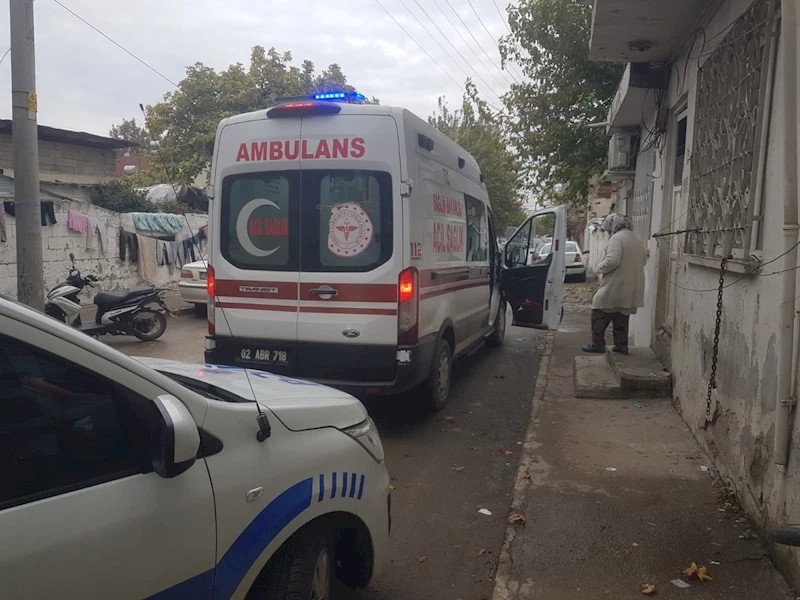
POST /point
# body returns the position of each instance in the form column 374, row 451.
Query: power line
column 428, row 54
column 447, row 39
column 478, row 58
column 472, row 6
column 502, row 18
column 444, row 49
column 118, row 45
column 4, row 55
column 509, row 66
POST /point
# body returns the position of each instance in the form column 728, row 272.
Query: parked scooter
column 118, row 313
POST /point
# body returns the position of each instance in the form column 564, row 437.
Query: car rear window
column 572, row 247
column 545, row 249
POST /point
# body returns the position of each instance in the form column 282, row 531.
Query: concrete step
column 641, row 373
column 594, row 379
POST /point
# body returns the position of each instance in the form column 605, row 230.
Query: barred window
column 729, row 128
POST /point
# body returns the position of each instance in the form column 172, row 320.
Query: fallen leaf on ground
column 482, row 552
column 391, row 487
column 527, row 476
column 691, row 570
column 702, row 574
column 516, row 519
column 507, row 453
column 458, row 469
column 648, row 589
column 422, row 559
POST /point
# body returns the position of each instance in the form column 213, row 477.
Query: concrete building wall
column 739, row 433
column 65, row 162
column 58, row 242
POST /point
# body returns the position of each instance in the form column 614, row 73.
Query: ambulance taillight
column 408, row 307
column 211, row 288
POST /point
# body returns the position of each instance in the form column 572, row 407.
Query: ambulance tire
column 495, row 340
column 303, row 569
column 441, row 378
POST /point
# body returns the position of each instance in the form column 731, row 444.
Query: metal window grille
column 729, row 136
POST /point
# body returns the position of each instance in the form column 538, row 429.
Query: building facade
column 708, row 108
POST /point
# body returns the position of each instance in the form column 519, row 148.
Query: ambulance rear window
column 260, row 212
column 350, row 213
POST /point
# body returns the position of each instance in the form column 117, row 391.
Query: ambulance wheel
column 440, row 381
column 495, row 340
column 303, row 569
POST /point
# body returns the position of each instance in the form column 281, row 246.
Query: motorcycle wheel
column 148, row 325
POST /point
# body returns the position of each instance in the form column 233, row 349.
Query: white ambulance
column 354, row 245
column 122, row 480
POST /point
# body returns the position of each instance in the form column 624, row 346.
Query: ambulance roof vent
column 425, row 142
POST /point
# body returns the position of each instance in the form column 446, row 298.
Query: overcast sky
column 86, row 83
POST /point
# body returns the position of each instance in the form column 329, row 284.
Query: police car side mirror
column 175, row 440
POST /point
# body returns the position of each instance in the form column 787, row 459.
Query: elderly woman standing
column 621, row 289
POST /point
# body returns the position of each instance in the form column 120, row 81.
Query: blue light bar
column 354, row 97
column 330, row 96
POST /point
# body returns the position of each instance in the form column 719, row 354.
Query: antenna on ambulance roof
column 264, row 428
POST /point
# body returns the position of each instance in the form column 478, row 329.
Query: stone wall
column 58, row 242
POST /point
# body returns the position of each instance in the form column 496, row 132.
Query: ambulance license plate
column 263, row 356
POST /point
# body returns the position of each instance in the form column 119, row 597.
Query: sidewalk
column 616, row 498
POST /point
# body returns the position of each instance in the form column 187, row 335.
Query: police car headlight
column 366, row 434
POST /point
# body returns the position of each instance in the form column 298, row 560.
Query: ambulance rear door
column 255, row 250
column 351, row 247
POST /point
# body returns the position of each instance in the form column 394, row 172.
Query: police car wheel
column 441, row 375
column 301, row 570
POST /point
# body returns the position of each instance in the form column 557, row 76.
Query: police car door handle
column 255, row 494
column 324, row 291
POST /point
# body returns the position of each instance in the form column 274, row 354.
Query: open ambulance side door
column 533, row 278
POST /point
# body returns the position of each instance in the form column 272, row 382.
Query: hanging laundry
column 177, row 252
column 162, row 222
column 188, row 250
column 148, row 262
column 77, row 222
column 128, row 244
column 46, row 209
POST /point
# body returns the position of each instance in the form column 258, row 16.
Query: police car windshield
column 315, row 220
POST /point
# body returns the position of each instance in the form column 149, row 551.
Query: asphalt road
column 444, row 467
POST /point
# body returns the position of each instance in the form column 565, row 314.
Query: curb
column 504, row 588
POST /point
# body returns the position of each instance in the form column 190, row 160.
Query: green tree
column 185, row 123
column 130, row 131
column 564, row 92
column 475, row 129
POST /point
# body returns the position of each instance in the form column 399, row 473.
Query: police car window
column 350, row 214
column 477, row 230
column 258, row 220
column 63, row 428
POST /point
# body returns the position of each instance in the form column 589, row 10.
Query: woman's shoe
column 592, row 349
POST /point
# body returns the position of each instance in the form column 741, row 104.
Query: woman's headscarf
column 616, row 222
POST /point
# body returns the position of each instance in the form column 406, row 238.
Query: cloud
column 85, row 82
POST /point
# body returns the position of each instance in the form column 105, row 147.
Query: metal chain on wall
column 712, row 381
column 730, row 84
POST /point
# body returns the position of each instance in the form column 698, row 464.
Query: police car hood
column 298, row 404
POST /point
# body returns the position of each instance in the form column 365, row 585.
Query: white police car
column 122, row 478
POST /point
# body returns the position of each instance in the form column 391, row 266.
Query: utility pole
column 25, row 138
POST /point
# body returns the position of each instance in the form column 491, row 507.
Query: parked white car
column 126, row 478
column 573, row 256
column 192, row 283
